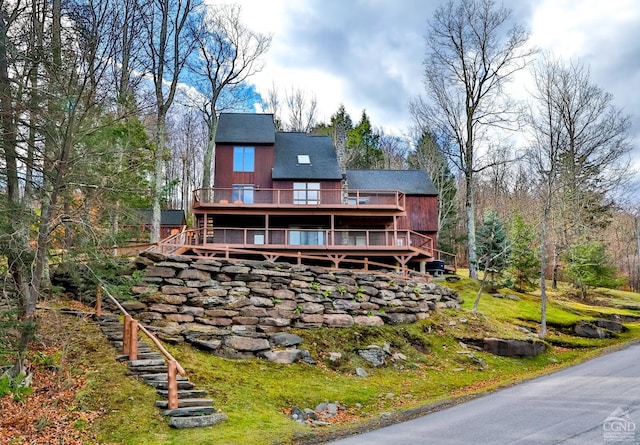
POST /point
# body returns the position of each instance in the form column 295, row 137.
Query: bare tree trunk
column 543, row 271
column 471, row 227
column 158, row 164
column 209, row 155
column 482, row 282
column 18, row 250
column 636, row 230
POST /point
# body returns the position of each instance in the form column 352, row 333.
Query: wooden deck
column 368, row 248
column 227, row 199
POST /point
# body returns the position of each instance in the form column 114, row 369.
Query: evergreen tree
column 362, row 149
column 492, row 251
column 588, row 265
column 524, row 262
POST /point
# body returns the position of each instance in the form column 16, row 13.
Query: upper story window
column 243, row 159
column 306, row 193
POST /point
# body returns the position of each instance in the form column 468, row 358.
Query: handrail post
column 172, row 384
column 99, row 301
column 133, row 340
column 126, row 338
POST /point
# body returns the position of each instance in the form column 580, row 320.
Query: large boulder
column 590, row 330
column 513, row 348
column 610, row 325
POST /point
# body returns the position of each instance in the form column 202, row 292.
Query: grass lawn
column 435, row 362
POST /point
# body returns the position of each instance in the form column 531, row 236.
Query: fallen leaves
column 50, row 414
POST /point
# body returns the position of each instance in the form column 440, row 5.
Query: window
column 243, row 159
column 306, row 193
column 304, row 159
column 258, row 237
column 243, row 193
column 306, row 237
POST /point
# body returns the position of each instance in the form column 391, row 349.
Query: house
column 171, row 221
column 283, row 196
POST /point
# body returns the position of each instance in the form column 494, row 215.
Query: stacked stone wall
column 235, row 308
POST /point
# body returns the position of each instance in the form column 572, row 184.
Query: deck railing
column 299, row 238
column 255, row 196
column 130, row 345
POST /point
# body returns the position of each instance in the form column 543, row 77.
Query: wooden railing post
column 126, row 337
column 99, row 301
column 133, row 340
column 172, row 384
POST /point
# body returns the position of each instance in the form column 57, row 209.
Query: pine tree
column 589, row 265
column 493, row 251
column 524, row 262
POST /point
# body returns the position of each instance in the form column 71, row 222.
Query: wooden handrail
column 130, row 345
column 162, row 349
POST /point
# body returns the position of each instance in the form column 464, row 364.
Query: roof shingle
column 323, row 165
column 245, row 128
column 409, row 182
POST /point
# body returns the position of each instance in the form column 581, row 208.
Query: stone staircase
column 194, row 408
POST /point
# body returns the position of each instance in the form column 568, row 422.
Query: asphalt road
column 597, row 402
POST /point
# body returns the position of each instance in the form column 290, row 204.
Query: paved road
column 574, row 406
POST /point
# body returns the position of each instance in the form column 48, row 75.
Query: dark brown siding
column 422, row 214
column 225, row 177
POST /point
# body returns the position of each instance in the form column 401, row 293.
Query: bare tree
column 228, row 54
column 470, row 57
column 579, row 148
column 166, row 24
column 547, row 142
column 272, row 105
column 188, row 133
column 394, row 149
column 302, row 110
column 299, row 112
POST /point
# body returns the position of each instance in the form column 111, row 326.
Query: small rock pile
column 323, row 414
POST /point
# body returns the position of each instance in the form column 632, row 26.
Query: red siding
column 225, row 177
column 422, row 214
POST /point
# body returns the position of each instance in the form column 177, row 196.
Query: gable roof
column 409, row 182
column 245, row 128
column 323, row 165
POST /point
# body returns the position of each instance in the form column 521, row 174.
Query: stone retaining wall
column 234, row 308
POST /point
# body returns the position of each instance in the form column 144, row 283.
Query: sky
column 368, row 54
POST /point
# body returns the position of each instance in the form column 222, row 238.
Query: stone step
column 190, row 411
column 143, row 363
column 186, row 403
column 142, row 356
column 160, row 376
column 147, row 370
column 111, row 327
column 184, row 394
column 107, row 318
column 115, row 336
column 197, row 421
column 184, row 384
column 110, row 323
